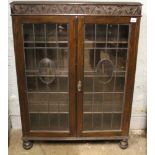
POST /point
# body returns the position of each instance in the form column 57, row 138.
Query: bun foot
column 27, row 144
column 123, row 144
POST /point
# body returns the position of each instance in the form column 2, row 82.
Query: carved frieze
column 79, row 9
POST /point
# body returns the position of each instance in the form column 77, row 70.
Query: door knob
column 79, row 86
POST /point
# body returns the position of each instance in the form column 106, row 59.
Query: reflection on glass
column 62, row 32
column 47, row 70
column 112, row 32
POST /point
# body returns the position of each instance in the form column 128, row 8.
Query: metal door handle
column 79, row 86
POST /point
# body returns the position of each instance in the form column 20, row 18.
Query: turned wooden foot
column 27, row 144
column 123, row 144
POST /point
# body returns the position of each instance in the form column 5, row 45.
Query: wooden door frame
column 130, row 76
column 17, row 22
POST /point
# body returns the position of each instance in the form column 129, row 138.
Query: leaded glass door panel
column 104, row 62
column 48, row 51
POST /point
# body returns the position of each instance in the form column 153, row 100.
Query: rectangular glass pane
column 112, row 33
column 46, row 51
column 51, row 32
column 105, row 59
column 121, row 60
column 89, row 61
column 63, row 60
column 116, row 121
column 29, row 57
column 123, row 32
column 87, row 121
column 90, row 33
column 28, row 32
column 107, row 121
column 62, row 32
column 39, row 30
column 101, row 32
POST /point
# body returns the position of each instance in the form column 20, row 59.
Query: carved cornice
column 78, row 9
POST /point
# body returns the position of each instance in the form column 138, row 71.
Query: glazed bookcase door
column 103, row 55
column 47, row 54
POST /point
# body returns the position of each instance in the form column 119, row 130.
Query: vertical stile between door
column 72, row 76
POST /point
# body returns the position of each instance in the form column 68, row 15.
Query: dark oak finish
column 78, row 15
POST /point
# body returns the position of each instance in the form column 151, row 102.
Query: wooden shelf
column 45, row 42
column 120, row 92
column 48, row 112
column 57, row 75
column 104, row 48
column 35, row 72
column 65, row 48
column 108, row 42
column 45, row 92
column 108, row 112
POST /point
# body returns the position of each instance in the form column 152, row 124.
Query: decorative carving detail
column 69, row 9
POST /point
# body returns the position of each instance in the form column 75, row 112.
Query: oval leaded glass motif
column 104, row 70
column 47, row 70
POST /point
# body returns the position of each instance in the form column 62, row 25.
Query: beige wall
column 138, row 120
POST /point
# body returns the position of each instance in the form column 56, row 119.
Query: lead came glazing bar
column 103, row 125
column 45, row 41
column 58, row 80
column 94, row 65
column 36, row 65
column 115, row 75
